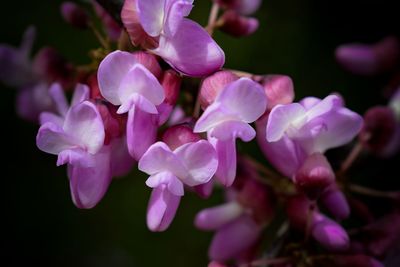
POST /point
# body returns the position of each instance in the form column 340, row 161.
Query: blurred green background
column 41, row 225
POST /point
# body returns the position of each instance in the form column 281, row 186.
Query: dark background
column 42, row 227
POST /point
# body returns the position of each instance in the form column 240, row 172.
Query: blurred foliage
column 43, row 228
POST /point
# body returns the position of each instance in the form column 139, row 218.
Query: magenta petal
column 50, row 117
column 88, row 185
column 76, row 157
column 174, row 185
column 234, row 238
column 330, row 234
column 191, row 50
column 57, row 94
column 141, row 131
column 121, row 161
column 204, row 190
column 52, row 139
column 233, row 129
column 81, row 93
column 112, row 70
column 226, row 151
column 152, row 15
column 161, row 209
column 85, row 124
column 201, row 161
column 212, row 116
column 245, row 98
column 215, row 217
column 177, row 11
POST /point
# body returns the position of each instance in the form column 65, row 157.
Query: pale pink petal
column 216, row 217
column 214, row 115
column 141, row 131
column 57, row 95
column 177, row 11
column 159, row 158
column 76, row 157
column 201, row 161
column 141, row 81
column 226, row 151
column 234, row 238
column 245, row 98
column 281, row 118
column 151, row 15
column 85, row 124
column 325, row 105
column 52, row 139
column 88, row 185
column 81, row 93
column 112, row 70
column 174, row 185
column 233, row 129
column 191, row 51
column 161, row 209
column 137, row 101
column 51, row 117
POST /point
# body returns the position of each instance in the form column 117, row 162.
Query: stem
column 212, row 18
column 266, row 262
column 310, row 214
column 196, row 109
column 353, row 155
column 395, row 195
column 99, row 37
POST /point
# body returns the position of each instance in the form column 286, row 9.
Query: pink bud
column 213, row 85
column 237, row 25
column 53, row 67
column 216, row 217
column 329, row 233
column 379, row 128
column 149, row 61
column 244, row 7
column 74, row 15
column 314, row 175
column 279, row 90
column 216, row 264
column 178, row 135
column 171, row 82
column 372, row 59
column 334, row 200
column 358, row 260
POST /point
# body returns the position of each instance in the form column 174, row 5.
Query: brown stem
column 373, row 193
column 212, row 18
column 351, row 157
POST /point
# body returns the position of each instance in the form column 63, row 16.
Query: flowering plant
column 157, row 97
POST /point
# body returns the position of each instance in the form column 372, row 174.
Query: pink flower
column 239, row 103
column 191, row 164
column 161, row 25
column 128, row 84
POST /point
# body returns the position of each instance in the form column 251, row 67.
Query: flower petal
column 57, row 95
column 214, row 115
column 141, row 81
column 88, row 185
column 174, row 185
column 159, row 158
column 151, row 15
column 281, row 118
column 215, row 217
column 245, row 98
column 233, row 129
column 191, row 50
column 52, row 139
column 161, row 209
column 121, row 161
column 112, row 70
column 141, row 131
column 76, row 157
column 200, row 159
column 226, row 151
column 84, row 123
column 50, row 117
column 176, row 12
column 234, row 238
column 81, row 93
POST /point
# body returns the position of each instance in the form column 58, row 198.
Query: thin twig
column 212, row 18
column 373, row 192
column 351, row 157
column 99, row 37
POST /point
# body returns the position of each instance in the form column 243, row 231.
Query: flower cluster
column 128, row 109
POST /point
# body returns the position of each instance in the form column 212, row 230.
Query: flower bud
column 334, row 200
column 314, row 175
column 379, row 128
column 329, row 233
column 358, row 260
column 244, row 7
column 279, row 90
column 74, row 15
column 237, row 25
column 366, row 59
column 215, row 217
column 213, row 85
column 204, row 190
column 216, row 264
column 149, row 61
column 296, row 209
column 178, row 135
